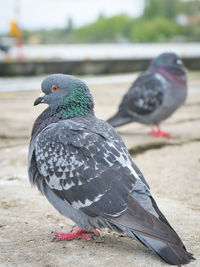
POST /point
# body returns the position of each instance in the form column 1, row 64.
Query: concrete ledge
column 83, row 67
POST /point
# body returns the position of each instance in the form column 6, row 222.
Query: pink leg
column 159, row 133
column 77, row 233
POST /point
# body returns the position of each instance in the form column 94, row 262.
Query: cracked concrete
column 171, row 166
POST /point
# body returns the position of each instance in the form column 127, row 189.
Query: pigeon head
column 168, row 60
column 170, row 66
column 66, row 96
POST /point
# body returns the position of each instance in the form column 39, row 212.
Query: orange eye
column 55, row 88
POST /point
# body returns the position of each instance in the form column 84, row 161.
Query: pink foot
column 159, row 133
column 75, row 234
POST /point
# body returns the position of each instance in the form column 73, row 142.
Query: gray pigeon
column 155, row 94
column 83, row 168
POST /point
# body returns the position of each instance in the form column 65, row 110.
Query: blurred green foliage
column 162, row 20
column 155, row 30
column 165, row 8
column 104, row 29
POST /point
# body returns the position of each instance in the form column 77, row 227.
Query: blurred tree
column 155, row 30
column 190, row 7
column 162, row 20
column 70, row 25
column 165, row 8
column 104, row 29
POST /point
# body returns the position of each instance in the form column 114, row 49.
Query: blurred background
column 67, row 22
column 93, row 38
column 69, row 31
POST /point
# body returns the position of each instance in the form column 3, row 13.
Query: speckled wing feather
column 145, row 95
column 84, row 169
column 96, row 175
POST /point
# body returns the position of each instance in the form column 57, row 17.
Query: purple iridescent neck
column 174, row 74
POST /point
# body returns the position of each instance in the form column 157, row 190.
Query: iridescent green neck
column 78, row 103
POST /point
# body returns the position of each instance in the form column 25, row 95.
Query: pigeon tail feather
column 119, row 119
column 170, row 253
column 155, row 233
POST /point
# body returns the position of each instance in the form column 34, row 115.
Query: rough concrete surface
column 171, row 166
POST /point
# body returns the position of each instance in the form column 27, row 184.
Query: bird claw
column 70, row 236
column 159, row 133
column 77, row 233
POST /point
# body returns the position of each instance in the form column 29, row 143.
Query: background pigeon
column 83, row 168
column 155, row 94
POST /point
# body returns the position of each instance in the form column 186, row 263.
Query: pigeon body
column 84, row 169
column 155, row 94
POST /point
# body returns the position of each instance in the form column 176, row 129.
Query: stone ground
column 171, row 166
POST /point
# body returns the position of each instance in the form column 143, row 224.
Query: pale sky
column 34, row 14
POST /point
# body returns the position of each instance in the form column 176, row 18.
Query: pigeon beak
column 40, row 99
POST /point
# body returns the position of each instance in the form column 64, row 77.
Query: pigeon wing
column 145, row 95
column 84, row 169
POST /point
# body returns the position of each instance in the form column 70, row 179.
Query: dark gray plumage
column 83, row 168
column 155, row 94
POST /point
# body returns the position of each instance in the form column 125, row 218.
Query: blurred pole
column 20, row 42
column 16, row 32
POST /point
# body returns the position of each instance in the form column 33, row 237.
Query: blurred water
column 103, row 51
